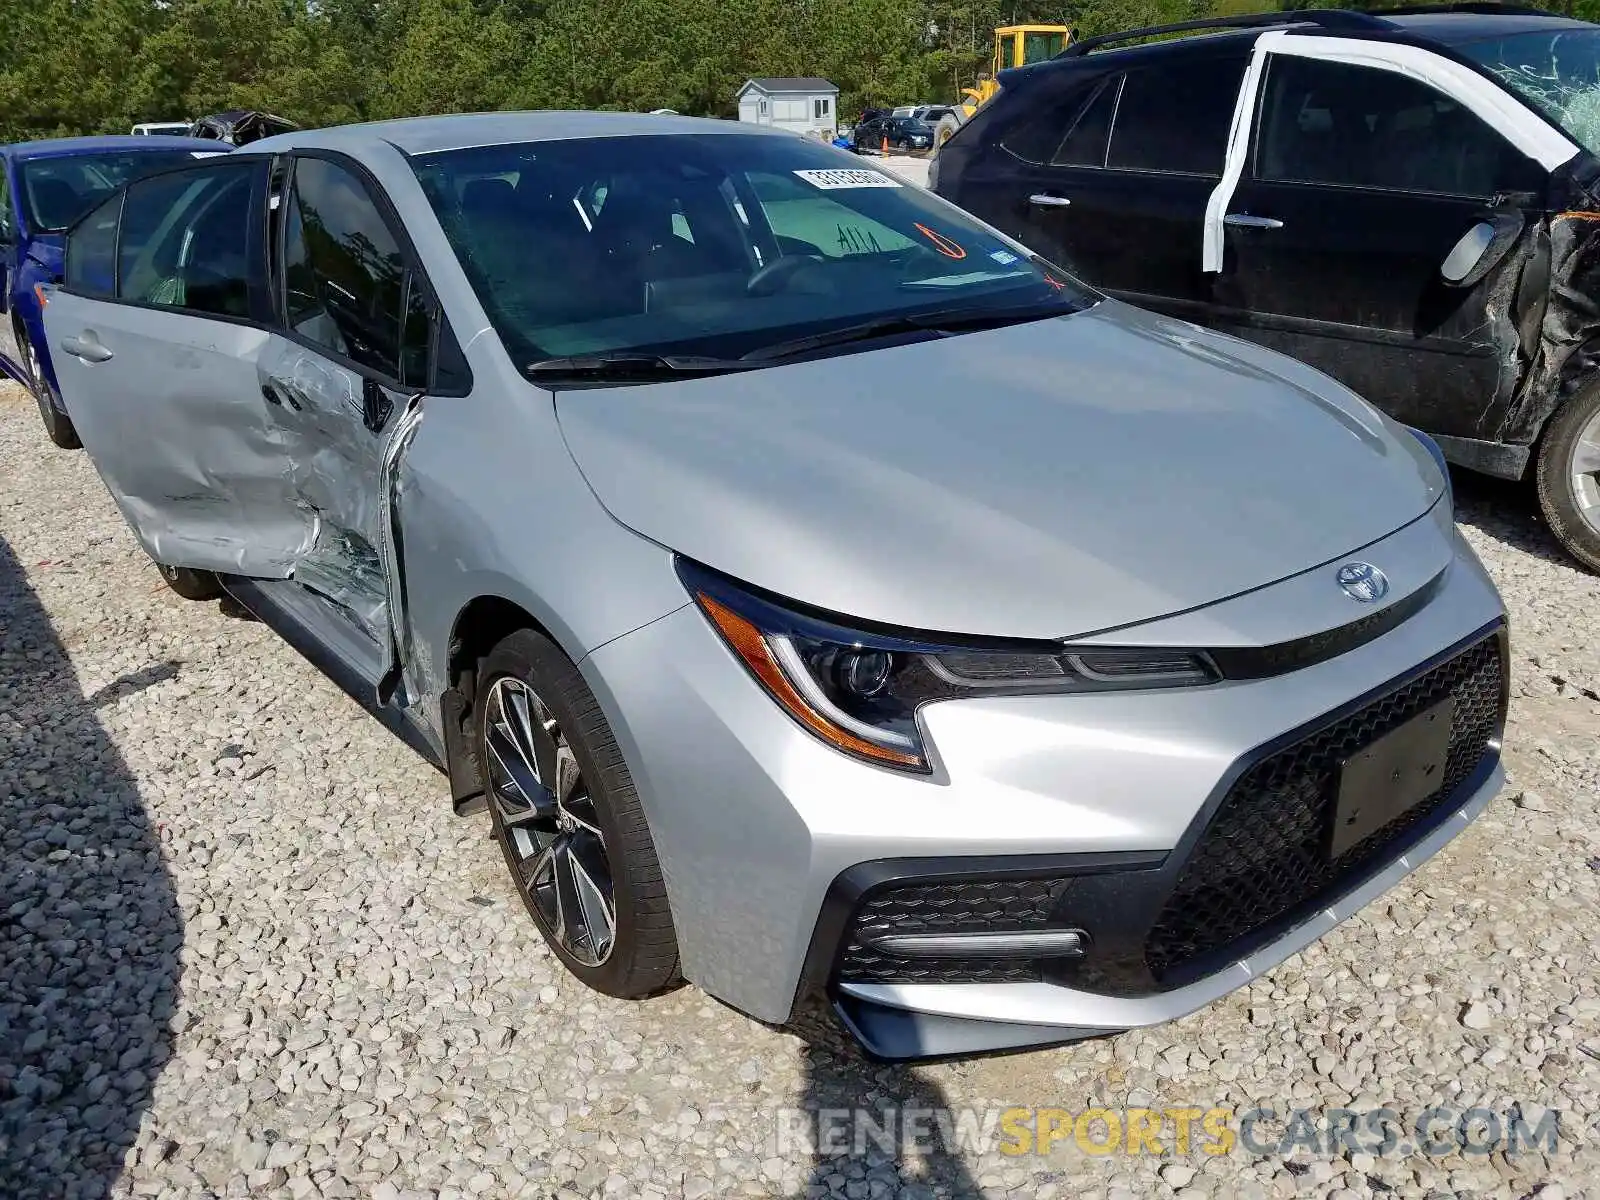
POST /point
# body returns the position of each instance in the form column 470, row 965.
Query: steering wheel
column 776, row 273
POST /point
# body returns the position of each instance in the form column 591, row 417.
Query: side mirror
column 1480, row 249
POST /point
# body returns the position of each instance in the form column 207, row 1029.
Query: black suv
column 1407, row 199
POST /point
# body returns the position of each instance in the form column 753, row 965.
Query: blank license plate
column 1390, row 776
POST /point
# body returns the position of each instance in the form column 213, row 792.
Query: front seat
column 635, row 229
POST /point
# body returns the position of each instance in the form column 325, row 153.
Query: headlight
column 859, row 690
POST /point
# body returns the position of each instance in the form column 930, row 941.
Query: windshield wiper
column 942, row 321
column 630, row 364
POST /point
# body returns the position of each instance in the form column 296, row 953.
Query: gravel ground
column 246, row 950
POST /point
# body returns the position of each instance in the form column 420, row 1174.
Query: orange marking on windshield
column 941, row 243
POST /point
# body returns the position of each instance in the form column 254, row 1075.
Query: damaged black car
column 240, row 126
column 1408, row 200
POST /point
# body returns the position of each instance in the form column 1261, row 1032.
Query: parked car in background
column 830, row 601
column 161, row 129
column 903, row 133
column 45, row 187
column 1407, row 202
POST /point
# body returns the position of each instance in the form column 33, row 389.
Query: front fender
column 30, row 316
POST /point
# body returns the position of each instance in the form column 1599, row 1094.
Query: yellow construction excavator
column 1014, row 45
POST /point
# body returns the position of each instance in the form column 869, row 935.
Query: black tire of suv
column 1556, row 497
column 644, row 959
column 190, row 584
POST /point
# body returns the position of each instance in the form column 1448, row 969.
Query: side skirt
column 312, row 626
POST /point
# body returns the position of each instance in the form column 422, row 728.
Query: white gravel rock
column 246, row 950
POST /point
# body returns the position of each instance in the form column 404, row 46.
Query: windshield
column 57, row 191
column 710, row 244
column 1557, row 73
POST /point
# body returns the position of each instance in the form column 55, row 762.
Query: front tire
column 565, row 812
column 1568, row 475
column 945, row 130
column 191, row 584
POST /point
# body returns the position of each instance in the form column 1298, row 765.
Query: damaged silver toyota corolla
column 830, row 601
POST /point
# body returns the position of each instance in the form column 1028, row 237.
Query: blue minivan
column 45, row 186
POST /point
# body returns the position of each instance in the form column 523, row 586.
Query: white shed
column 807, row 105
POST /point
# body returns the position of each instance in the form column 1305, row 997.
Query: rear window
column 714, row 244
column 1176, row 117
column 57, row 191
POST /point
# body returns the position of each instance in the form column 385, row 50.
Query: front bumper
column 762, row 831
column 1249, row 885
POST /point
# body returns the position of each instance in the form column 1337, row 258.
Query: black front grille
column 1263, row 856
column 956, row 906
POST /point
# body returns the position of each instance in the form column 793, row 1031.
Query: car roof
column 60, row 147
column 66, row 147
column 1450, row 28
column 458, row 131
column 1438, row 28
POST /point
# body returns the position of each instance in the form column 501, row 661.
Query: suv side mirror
column 1480, row 249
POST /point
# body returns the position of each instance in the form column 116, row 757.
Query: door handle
column 277, row 391
column 87, row 347
column 1046, row 200
column 1246, row 221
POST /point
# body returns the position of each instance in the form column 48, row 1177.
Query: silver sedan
column 830, row 601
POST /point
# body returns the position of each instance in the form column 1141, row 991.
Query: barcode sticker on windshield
column 831, row 179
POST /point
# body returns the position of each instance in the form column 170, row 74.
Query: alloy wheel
column 1583, row 470
column 547, row 823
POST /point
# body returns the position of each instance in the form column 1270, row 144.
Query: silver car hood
column 1040, row 480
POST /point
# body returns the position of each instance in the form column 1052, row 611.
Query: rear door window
column 186, row 240
column 1037, row 137
column 1334, row 123
column 1175, row 118
column 1085, row 142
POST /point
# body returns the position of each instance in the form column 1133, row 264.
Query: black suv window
column 1175, row 117
column 1332, row 123
column 185, row 239
column 1036, row 137
column 344, row 277
column 1085, row 142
